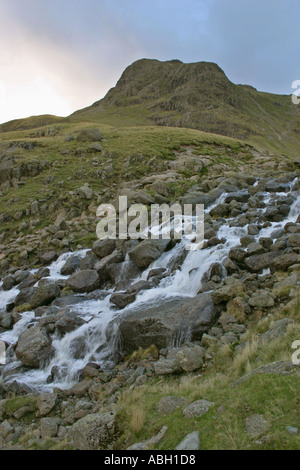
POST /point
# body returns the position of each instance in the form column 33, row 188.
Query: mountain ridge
column 195, row 95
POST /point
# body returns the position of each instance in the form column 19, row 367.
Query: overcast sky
column 57, row 56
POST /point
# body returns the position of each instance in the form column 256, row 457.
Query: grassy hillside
column 197, row 96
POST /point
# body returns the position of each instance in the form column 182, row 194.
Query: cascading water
column 95, row 339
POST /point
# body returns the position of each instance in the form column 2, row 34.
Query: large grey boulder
column 33, row 347
column 168, row 404
column 84, row 281
column 70, row 265
column 256, row 263
column 281, row 263
column 103, row 248
column 44, row 295
column 148, row 251
column 93, row 432
column 197, row 408
column 162, row 325
column 262, row 299
column 89, row 135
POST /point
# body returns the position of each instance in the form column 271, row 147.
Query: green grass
column 128, row 154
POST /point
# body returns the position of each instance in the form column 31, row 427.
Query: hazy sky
column 57, row 56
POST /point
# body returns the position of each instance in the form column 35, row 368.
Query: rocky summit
column 141, row 343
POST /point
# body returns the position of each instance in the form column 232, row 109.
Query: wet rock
column 44, row 295
column 277, row 187
column 42, row 272
column 103, row 248
column 239, row 196
column 67, row 321
column 84, row 281
column 162, row 324
column 104, row 266
column 88, row 261
column 156, row 272
column 70, row 266
column 9, row 282
column 33, row 347
column 121, row 300
column 221, row 210
column 148, row 251
column 48, row 257
column 139, row 286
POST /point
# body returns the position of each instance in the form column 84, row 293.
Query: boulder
column 190, row 358
column 44, row 295
column 93, row 432
column 103, row 248
column 70, row 265
column 281, row 263
column 197, row 408
column 84, row 281
column 148, row 251
column 103, row 266
column 89, row 135
column 33, row 347
column 162, row 325
column 9, row 282
column 168, row 404
column 48, row 257
column 46, row 403
column 261, row 299
column 221, row 210
column 67, row 321
column 256, row 263
column 122, row 299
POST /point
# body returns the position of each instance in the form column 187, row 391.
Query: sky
column 57, row 56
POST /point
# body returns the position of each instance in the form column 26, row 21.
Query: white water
column 96, row 339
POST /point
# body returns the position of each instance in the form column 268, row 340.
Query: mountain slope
column 198, row 96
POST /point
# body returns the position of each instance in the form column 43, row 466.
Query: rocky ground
column 179, row 339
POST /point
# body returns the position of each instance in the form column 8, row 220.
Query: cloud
column 55, row 71
column 58, row 56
